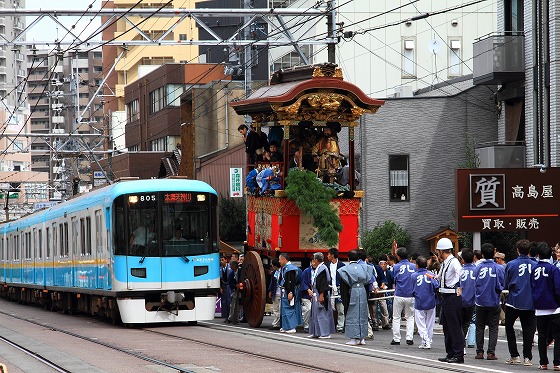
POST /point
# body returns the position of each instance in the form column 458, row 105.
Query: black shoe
column 375, row 328
column 386, row 327
column 409, row 342
column 444, row 359
column 456, row 360
column 395, row 343
column 274, row 328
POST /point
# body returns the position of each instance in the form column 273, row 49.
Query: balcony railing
column 501, row 156
column 499, row 59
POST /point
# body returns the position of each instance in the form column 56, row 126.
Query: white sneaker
column 325, row 337
column 282, row 330
column 352, row 342
column 291, row 331
column 362, row 342
column 311, row 336
column 428, row 346
column 423, row 345
column 527, row 362
column 514, row 360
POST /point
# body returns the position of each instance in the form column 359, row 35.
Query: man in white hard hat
column 451, row 302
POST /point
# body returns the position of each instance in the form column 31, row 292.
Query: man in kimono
column 354, row 278
column 290, row 305
column 321, row 322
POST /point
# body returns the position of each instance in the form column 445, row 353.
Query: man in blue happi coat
column 290, row 306
column 354, row 278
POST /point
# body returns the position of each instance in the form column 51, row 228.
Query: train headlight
column 200, row 197
column 132, row 199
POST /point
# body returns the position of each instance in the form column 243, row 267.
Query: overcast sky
column 47, row 30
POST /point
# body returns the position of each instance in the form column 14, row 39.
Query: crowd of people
column 472, row 291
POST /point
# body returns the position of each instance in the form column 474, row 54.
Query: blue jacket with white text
column 489, row 283
column 424, row 289
column 545, row 284
column 403, row 282
column 518, row 282
column 467, row 284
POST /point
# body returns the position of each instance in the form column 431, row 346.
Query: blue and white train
column 144, row 251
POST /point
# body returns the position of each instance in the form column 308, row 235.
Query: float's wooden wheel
column 254, row 289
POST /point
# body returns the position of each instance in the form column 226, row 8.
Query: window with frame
column 156, row 100
column 399, row 178
column 172, row 94
column 513, row 16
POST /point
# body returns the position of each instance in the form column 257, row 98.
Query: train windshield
column 169, row 224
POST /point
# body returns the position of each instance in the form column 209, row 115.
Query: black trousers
column 528, row 325
column 451, row 319
column 487, row 316
column 468, row 313
column 548, row 326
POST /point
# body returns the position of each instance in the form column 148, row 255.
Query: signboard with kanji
column 508, row 199
column 235, row 182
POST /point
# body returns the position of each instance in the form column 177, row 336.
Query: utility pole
column 331, row 21
column 248, row 59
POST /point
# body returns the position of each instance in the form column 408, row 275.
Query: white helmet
column 444, row 244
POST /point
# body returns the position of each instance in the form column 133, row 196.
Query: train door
column 144, row 261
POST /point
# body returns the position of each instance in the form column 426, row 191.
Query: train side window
column 40, row 244
column 65, row 242
column 61, row 240
column 35, row 245
column 82, row 237
column 16, row 247
column 27, row 244
column 74, row 242
column 55, row 242
column 48, row 239
column 86, row 236
column 120, row 230
column 98, row 234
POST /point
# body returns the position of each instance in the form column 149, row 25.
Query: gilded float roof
column 311, row 93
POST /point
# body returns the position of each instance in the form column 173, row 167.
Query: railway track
column 327, row 347
column 353, row 351
column 311, row 368
column 34, row 355
column 93, row 340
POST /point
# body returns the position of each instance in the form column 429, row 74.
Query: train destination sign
column 509, row 199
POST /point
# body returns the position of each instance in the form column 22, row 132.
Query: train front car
column 165, row 242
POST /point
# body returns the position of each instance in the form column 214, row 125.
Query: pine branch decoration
column 311, row 197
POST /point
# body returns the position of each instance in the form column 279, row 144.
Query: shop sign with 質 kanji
column 506, row 199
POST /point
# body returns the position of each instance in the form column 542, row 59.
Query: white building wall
column 554, row 83
column 529, row 97
column 374, row 60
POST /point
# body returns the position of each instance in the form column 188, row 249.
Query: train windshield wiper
column 184, row 257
